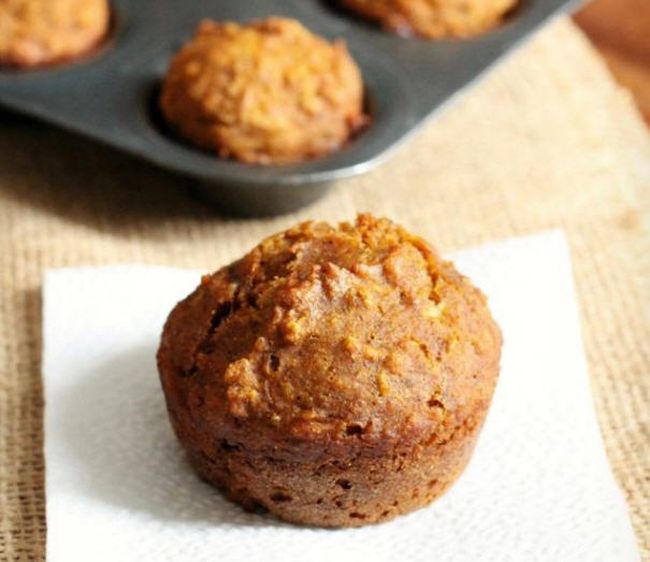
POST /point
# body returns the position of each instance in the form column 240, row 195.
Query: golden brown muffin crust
column 354, row 345
column 434, row 19
column 266, row 92
column 37, row 32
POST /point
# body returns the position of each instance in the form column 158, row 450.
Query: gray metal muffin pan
column 110, row 96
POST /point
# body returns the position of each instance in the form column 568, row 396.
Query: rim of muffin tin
column 353, row 157
column 395, row 110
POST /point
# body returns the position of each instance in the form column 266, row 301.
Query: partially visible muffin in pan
column 269, row 92
column 434, row 19
column 39, row 33
column 335, row 376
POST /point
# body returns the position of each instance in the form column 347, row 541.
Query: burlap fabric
column 547, row 140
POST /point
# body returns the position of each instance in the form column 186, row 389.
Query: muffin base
column 337, row 492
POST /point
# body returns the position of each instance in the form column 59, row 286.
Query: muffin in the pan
column 269, row 92
column 434, row 19
column 38, row 32
column 335, row 376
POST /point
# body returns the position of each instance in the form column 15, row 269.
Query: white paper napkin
column 119, row 489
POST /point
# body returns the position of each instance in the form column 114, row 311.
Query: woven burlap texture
column 547, row 140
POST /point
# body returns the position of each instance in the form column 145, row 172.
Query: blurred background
column 620, row 29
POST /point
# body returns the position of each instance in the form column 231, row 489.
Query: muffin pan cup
column 111, row 95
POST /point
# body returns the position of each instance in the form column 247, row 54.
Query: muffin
column 269, row 92
column 334, row 376
column 434, row 19
column 37, row 33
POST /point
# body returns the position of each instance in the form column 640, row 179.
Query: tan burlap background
column 548, row 140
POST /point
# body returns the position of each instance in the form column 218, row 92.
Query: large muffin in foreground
column 434, row 19
column 269, row 92
column 37, row 32
column 335, row 376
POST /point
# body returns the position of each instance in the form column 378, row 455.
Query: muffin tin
column 110, row 96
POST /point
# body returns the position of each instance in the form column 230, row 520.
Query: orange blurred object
column 620, row 29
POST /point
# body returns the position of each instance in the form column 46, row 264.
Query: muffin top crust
column 34, row 32
column 265, row 92
column 330, row 334
column 435, row 19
